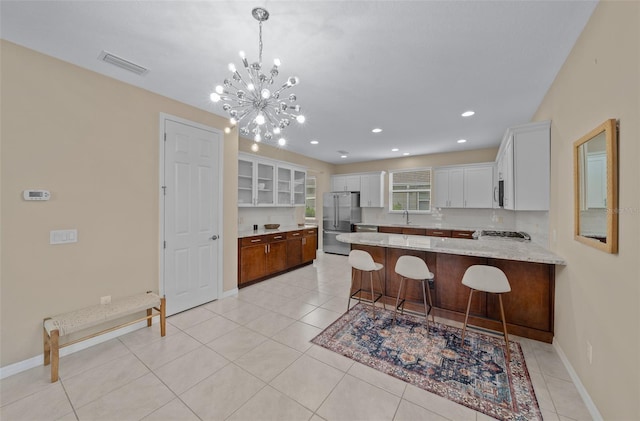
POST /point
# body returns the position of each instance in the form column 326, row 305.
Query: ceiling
column 408, row 67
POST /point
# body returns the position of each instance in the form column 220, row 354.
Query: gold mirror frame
column 609, row 209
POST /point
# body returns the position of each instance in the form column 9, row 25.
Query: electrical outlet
column 105, row 300
column 589, row 352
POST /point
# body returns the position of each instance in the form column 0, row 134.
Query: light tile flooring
column 249, row 358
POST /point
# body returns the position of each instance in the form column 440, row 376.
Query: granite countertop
column 282, row 228
column 491, row 248
column 428, row 226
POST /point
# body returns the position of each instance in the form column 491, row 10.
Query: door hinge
column 165, row 244
column 164, row 190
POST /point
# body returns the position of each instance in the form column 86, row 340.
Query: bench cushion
column 91, row 316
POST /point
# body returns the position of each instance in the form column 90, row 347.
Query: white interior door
column 191, row 212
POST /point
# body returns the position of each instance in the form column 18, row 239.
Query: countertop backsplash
column 248, row 217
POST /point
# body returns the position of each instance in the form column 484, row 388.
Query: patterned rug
column 474, row 375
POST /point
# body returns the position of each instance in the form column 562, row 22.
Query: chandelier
column 260, row 108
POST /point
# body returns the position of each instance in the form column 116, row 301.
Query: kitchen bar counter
column 524, row 251
column 263, row 231
column 530, row 269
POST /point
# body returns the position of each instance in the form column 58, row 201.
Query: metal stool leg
column 424, row 299
column 504, row 326
column 395, row 310
column 373, row 300
column 349, row 300
column 466, row 317
column 433, row 319
column 384, row 305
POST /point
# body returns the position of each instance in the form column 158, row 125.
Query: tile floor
column 249, row 357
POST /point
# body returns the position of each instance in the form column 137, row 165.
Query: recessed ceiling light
column 462, row 140
column 376, row 130
column 468, row 113
column 395, row 150
column 343, row 156
column 406, row 153
column 314, row 142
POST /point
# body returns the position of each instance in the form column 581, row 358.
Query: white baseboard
column 591, row 406
column 230, row 293
column 38, row 360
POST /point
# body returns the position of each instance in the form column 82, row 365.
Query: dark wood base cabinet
column 264, row 256
column 528, row 307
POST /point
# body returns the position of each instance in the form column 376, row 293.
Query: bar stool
column 487, row 279
column 412, row 267
column 362, row 261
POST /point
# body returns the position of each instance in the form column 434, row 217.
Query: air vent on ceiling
column 122, row 63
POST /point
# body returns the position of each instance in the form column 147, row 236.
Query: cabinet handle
column 256, row 240
column 277, row 238
column 265, row 248
column 304, row 241
column 295, row 234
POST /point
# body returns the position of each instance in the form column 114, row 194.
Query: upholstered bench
column 74, row 321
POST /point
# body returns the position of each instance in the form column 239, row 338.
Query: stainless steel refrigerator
column 340, row 210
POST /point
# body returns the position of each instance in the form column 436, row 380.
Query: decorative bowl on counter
column 271, row 226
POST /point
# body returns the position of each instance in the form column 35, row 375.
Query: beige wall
column 598, row 294
column 75, row 132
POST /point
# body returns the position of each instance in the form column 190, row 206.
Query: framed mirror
column 595, row 169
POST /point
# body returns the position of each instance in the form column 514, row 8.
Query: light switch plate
column 63, row 236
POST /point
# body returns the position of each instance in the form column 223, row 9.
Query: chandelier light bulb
column 260, row 119
column 276, row 130
column 301, row 119
column 233, row 121
column 276, row 61
column 214, row 97
column 232, row 67
column 251, row 87
column 266, row 94
column 257, row 138
column 219, row 89
column 282, row 141
column 227, row 130
column 242, row 54
column 255, row 147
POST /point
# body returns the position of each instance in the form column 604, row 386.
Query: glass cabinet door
column 284, row 186
column 299, row 178
column 245, row 183
column 265, row 184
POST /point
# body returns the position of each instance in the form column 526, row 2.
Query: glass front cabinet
column 265, row 182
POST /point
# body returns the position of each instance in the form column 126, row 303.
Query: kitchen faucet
column 406, row 214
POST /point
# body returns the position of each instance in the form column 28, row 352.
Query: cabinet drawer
column 294, row 234
column 438, row 233
column 414, row 231
column 276, row 237
column 390, row 230
column 310, row 232
column 462, row 234
column 250, row 241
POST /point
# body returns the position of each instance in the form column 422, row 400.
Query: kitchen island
column 530, row 268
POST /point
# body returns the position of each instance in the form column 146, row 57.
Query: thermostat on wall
column 36, row 195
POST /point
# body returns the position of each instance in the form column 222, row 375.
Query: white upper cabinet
column 345, row 182
column 372, row 190
column 265, row 182
column 464, row 186
column 524, row 166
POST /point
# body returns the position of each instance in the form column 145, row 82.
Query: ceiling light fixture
column 395, row 150
column 343, row 156
column 314, row 142
column 252, row 103
column 406, row 153
column 376, row 130
column 462, row 140
column 468, row 113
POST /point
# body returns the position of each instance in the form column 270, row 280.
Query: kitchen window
column 410, row 190
column 310, row 199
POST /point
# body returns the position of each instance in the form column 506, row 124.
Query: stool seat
column 487, row 279
column 414, row 268
column 362, row 261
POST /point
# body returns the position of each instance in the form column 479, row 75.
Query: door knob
column 214, row 237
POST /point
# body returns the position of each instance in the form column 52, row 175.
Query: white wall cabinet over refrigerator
column 265, row 182
column 372, row 190
column 464, row 186
column 345, row 182
column 523, row 164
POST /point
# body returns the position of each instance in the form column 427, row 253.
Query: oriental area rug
column 476, row 375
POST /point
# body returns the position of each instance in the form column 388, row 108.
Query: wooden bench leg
column 47, row 347
column 163, row 316
column 55, row 355
column 149, row 312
